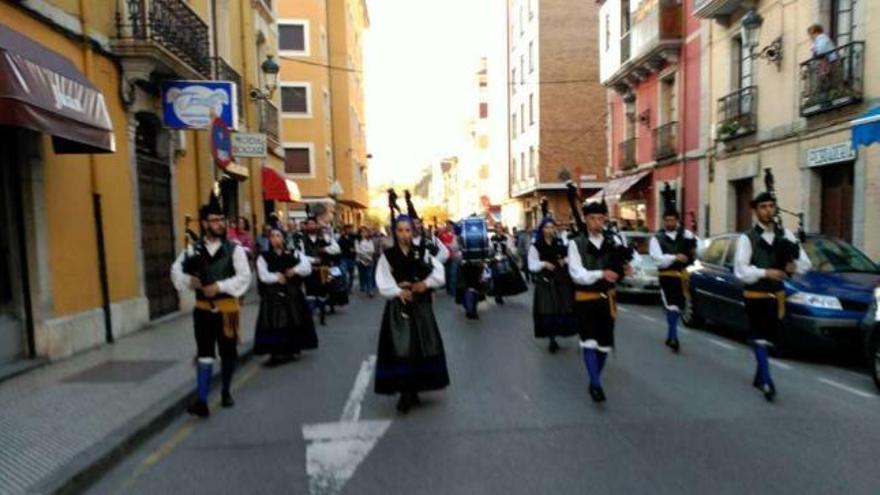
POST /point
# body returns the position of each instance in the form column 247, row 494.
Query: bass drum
column 474, row 239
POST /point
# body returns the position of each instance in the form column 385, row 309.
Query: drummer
column 474, row 275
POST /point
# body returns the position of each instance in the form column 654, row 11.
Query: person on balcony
column 824, row 55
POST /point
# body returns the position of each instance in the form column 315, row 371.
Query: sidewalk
column 61, row 423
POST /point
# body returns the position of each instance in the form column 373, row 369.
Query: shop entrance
column 12, row 328
column 837, row 201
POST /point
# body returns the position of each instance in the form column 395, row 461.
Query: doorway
column 837, row 201
column 744, row 191
column 12, row 327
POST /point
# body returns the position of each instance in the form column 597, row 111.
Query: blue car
column 826, row 305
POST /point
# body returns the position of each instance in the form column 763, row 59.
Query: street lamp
column 749, row 29
column 270, row 69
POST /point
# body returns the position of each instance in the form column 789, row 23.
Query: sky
column 420, row 61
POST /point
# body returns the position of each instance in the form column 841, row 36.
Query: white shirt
column 365, row 250
column 749, row 273
column 822, row 45
column 665, row 260
column 579, row 274
column 302, row 269
column 442, row 251
column 332, row 248
column 235, row 286
column 534, row 259
column 388, row 286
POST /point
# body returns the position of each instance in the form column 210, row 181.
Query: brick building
column 556, row 104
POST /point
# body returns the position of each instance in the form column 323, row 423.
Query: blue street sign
column 194, row 104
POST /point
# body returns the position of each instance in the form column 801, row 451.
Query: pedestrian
column 553, row 307
column 245, row 238
column 318, row 249
column 673, row 248
column 410, row 358
column 284, row 324
column 263, row 244
column 507, row 278
column 347, row 253
column 765, row 256
column 217, row 270
column 595, row 270
column 450, row 242
column 365, row 251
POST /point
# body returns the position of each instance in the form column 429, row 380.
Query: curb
column 89, row 466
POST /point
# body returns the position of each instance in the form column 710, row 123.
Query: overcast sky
column 420, row 61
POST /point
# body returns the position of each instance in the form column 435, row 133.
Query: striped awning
column 617, row 187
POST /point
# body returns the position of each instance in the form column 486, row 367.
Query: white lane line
column 352, row 411
column 723, row 345
column 649, row 318
column 847, row 388
column 623, row 309
column 780, row 364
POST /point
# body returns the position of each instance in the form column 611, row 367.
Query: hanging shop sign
column 249, row 145
column 827, row 155
column 195, row 104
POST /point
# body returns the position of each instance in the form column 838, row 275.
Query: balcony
column 224, row 72
column 715, row 9
column 627, row 154
column 167, row 33
column 653, row 42
column 666, row 141
column 832, row 80
column 269, row 121
column 737, row 114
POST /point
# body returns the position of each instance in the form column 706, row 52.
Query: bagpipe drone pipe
column 620, row 254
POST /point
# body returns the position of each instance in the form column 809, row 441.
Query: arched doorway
column 157, row 217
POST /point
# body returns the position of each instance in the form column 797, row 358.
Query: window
column 842, row 21
column 293, row 37
column 730, row 257
column 514, row 170
column 668, row 100
column 531, row 56
column 522, row 69
column 522, row 164
column 531, row 9
column 532, row 164
column 625, row 18
column 714, row 254
column 513, row 124
column 513, row 81
column 522, row 120
column 295, row 99
column 328, row 159
column 484, row 110
column 532, row 109
column 607, row 31
column 742, row 65
column 298, row 160
column 522, row 27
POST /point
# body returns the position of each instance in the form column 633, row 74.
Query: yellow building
column 94, row 187
column 776, row 103
column 322, row 96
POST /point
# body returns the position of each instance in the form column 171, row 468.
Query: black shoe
column 499, row 300
column 597, row 394
column 273, row 361
column 757, row 381
column 415, row 399
column 199, row 408
column 227, row 400
column 554, row 346
column 769, row 391
column 404, row 404
column 673, row 344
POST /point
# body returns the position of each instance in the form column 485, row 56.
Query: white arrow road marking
column 335, row 450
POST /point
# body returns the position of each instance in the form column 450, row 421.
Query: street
column 519, row 420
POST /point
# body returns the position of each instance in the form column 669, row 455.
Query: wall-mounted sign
column 249, row 145
column 194, row 104
column 826, row 155
column 221, row 143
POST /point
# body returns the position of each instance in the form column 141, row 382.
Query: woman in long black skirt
column 553, row 308
column 411, row 358
column 284, row 324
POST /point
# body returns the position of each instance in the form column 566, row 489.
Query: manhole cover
column 119, row 371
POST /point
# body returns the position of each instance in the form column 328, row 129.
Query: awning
column 277, row 188
column 42, row 90
column 616, row 187
column 866, row 128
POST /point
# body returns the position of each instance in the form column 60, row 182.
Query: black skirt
column 595, row 321
column 507, row 280
column 284, row 323
column 673, row 293
column 553, row 309
column 411, row 355
column 764, row 322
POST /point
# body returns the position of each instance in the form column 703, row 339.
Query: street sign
column 194, row 104
column 249, row 145
column 826, row 155
column 221, row 143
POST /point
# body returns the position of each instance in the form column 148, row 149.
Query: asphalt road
column 519, row 420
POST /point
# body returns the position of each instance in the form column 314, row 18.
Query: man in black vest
column 673, row 248
column 590, row 264
column 319, row 249
column 765, row 256
column 218, row 271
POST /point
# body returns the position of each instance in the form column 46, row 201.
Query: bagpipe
column 786, row 251
column 687, row 247
column 424, row 268
column 427, row 244
column 620, row 255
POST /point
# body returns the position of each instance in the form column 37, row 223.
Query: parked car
column 871, row 337
column 827, row 304
column 644, row 279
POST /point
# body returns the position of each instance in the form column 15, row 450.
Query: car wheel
column 690, row 316
column 875, row 360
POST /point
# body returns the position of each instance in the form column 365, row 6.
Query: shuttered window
column 292, row 37
column 294, row 99
column 297, row 161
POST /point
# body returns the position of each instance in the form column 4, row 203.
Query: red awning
column 277, row 188
column 42, row 90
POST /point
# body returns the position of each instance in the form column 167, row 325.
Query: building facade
column 779, row 105
column 650, row 52
column 322, row 98
column 556, row 105
column 95, row 188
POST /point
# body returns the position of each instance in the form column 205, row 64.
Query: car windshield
column 640, row 242
column 835, row 256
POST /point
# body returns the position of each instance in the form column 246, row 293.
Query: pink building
column 650, row 63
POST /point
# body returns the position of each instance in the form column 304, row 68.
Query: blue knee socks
column 204, row 370
column 591, row 361
column 761, row 356
column 470, row 301
column 672, row 322
column 602, row 357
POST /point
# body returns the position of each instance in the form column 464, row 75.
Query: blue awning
column 866, row 128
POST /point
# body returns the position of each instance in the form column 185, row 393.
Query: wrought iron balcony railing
column 737, row 114
column 666, row 141
column 627, row 154
column 224, row 72
column 832, row 80
column 269, row 120
column 170, row 24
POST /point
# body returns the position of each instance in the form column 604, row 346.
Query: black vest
column 407, row 268
column 280, row 263
column 554, row 252
column 211, row 269
column 678, row 246
column 313, row 248
column 594, row 258
column 765, row 256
